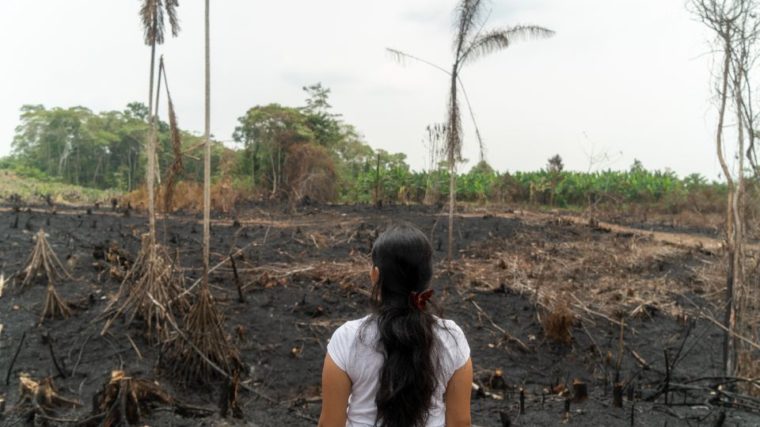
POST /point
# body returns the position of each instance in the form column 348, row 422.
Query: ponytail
column 408, row 377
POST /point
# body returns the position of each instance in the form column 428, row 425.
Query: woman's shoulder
column 341, row 343
column 454, row 342
column 350, row 327
column 448, row 325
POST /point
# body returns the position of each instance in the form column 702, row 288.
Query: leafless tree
column 737, row 28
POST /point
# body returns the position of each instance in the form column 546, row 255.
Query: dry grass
column 748, row 367
column 613, row 277
column 188, row 196
column 224, row 196
column 310, row 172
column 558, row 322
column 349, row 276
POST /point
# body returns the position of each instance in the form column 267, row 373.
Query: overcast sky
column 625, row 78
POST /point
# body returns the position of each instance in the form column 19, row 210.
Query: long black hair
column 403, row 256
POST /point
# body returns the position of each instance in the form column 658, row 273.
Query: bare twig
column 49, row 341
column 134, row 346
column 583, row 307
column 241, row 297
column 214, row 268
column 81, row 352
column 13, row 361
column 500, row 329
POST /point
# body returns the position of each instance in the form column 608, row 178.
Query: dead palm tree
column 204, row 351
column 152, row 13
column 207, row 155
column 471, row 42
column 152, row 290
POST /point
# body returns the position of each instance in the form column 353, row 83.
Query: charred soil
column 545, row 303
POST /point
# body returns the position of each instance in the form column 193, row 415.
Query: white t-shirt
column 354, row 350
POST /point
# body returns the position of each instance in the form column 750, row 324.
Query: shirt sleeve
column 339, row 346
column 461, row 349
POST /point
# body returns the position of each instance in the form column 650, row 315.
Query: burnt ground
column 304, row 273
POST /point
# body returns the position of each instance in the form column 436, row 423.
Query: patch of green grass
column 34, row 191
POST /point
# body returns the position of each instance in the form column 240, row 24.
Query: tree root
column 42, row 261
column 123, row 399
column 39, row 399
column 229, row 402
column 153, row 273
column 54, row 307
column 204, row 340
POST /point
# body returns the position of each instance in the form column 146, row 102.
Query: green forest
column 295, row 152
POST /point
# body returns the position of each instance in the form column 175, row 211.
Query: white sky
column 629, row 78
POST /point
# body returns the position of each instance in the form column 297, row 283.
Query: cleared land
column 542, row 298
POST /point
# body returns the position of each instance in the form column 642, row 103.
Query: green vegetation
column 545, row 187
column 105, row 150
column 37, row 190
column 292, row 152
column 301, row 151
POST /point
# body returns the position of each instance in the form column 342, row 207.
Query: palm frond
column 159, row 22
column 403, row 57
column 468, row 14
column 176, row 166
column 398, row 56
column 171, row 10
column 152, row 16
column 495, row 40
column 148, row 16
column 481, row 144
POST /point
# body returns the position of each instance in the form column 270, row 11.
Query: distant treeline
column 294, row 152
column 104, row 150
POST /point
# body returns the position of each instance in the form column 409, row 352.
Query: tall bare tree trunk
column 129, row 171
column 207, row 160
column 452, row 147
column 157, row 164
column 737, row 292
column 452, row 202
column 151, row 168
column 377, row 181
column 254, row 151
column 728, row 342
column 274, row 175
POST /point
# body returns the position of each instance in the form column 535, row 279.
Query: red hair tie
column 420, row 299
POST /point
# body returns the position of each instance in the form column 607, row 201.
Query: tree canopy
column 100, row 150
column 290, row 152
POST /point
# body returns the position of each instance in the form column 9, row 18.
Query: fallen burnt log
column 714, row 394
